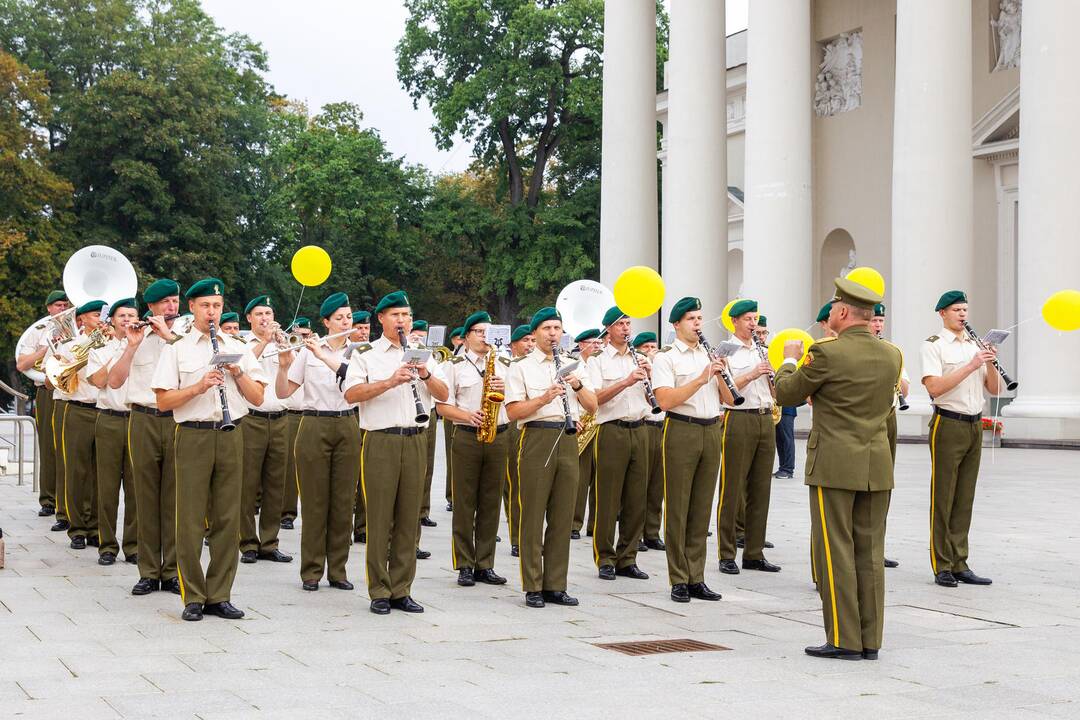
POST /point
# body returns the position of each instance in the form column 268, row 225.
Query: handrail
column 18, row 421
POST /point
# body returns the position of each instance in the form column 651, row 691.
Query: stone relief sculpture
column 851, row 264
column 838, row 87
column 1007, row 35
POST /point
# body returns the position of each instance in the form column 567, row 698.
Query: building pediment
column 998, row 131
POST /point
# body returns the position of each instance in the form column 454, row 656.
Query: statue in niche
column 851, row 265
column 1006, row 31
column 838, row 86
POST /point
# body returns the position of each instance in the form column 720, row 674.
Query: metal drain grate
column 656, row 647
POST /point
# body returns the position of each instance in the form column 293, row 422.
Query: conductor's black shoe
column 945, row 579
column 380, row 606
column 428, row 522
column 359, row 536
column 422, row 554
column 132, row 559
column 728, row 567
column 310, row 585
column 642, row 547
column 891, row 563
column 832, row 652
column 192, row 612
column 224, row 610
column 46, row 511
column 249, row 556
column 465, row 577
column 449, row 507
column 559, row 597
column 106, row 558
column 341, row 585
column 92, row 541
column 575, row 534
column 406, row 604
column 515, row 551
column 740, row 542
column 145, row 586
column 762, row 564
column 60, row 525
column 632, row 571
column 607, row 572
column 701, row 591
column 275, row 555
column 868, row 654
column 78, row 543
column 488, row 576
column 171, row 585
column 534, row 599
column 655, row 544
column 966, row 576
column 286, row 523
column 680, row 593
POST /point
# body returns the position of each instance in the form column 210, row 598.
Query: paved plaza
column 75, row 643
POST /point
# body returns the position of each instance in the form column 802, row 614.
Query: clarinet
column 569, row 426
column 764, row 355
column 1010, row 384
column 226, row 420
column 736, row 398
column 649, row 394
column 421, row 412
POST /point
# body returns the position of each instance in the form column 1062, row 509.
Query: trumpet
column 736, row 398
column 295, row 341
column 65, row 375
column 1010, row 384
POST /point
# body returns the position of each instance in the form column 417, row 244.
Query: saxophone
column 489, row 406
column 589, row 429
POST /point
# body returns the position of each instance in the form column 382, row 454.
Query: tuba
column 490, row 404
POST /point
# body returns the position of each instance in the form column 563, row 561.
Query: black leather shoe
column 945, row 579
column 832, row 652
column 762, row 565
column 534, row 599
column 78, row 543
column 575, row 534
column 680, row 593
column 132, row 559
column 768, row 545
column 515, row 551
column 465, row 577
column 171, row 585
column 891, row 563
column 406, row 604
column 310, row 585
column 728, row 567
column 380, row 606
column 966, row 576
column 46, row 511
column 342, row 585
column 249, row 556
column 783, row 475
column 60, row 526
column 145, row 586
column 606, row 572
column 359, row 536
column 275, row 555
column 428, row 522
column 642, row 547
column 632, row 571
column 449, row 507
column 106, row 558
column 498, row 538
column 225, row 610
column 286, row 523
column 701, row 591
column 868, row 654
column 588, row 533
column 489, row 577
column 422, row 554
column 192, row 612
column 655, row 544
column 92, row 541
column 740, row 542
column 559, row 597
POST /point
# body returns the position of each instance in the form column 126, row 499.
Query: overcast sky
column 325, row 51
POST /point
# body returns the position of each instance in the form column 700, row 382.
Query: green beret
column 393, row 300
column 742, row 307
column 823, row 313
column 205, row 288
column 125, row 303
column 591, row 334
column 230, row 317
column 362, row 317
column 457, row 332
column 89, row 307
column 420, row 325
column 260, row 301
column 160, row 289
column 332, row 303
column 55, row 296
column 474, row 319
column 302, row 322
column 879, row 310
column 682, row 307
column 643, row 337
column 613, row 316
column 543, row 315
column 950, row 298
column 762, row 321
column 853, row 293
column 520, row 332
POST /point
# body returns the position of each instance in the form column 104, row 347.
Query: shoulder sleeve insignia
column 932, row 338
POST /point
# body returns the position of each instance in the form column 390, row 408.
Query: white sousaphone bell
column 582, row 305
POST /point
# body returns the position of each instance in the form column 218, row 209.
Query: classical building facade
column 837, row 133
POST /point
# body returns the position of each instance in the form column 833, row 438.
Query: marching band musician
column 327, row 447
column 265, row 432
column 209, row 473
column 620, row 451
column 113, row 462
column 361, row 323
column 543, row 404
column 294, row 409
column 522, row 342
column 456, row 341
column 748, row 444
column 877, row 327
column 686, row 386
column 645, row 343
column 588, row 344
column 418, row 338
column 480, row 466
column 230, row 324
column 393, row 457
column 150, row 438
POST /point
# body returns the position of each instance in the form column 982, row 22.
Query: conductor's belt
column 693, row 420
column 957, row 416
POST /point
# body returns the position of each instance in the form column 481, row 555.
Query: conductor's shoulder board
column 823, row 340
column 932, row 338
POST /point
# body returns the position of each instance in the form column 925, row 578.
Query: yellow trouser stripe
column 521, row 506
column 933, row 489
column 63, row 452
column 363, row 488
column 176, row 504
column 453, row 501
column 596, row 489
column 663, row 465
column 828, row 564
column 723, row 479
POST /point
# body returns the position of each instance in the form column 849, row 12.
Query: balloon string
column 296, row 312
column 1013, row 327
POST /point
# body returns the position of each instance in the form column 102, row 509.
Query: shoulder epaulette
column 362, row 348
column 454, row 359
column 665, row 348
column 40, row 327
column 177, row 337
column 505, row 361
column 519, row 359
column 933, row 338
column 824, row 340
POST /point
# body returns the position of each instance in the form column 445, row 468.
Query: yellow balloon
column 639, row 291
column 868, row 277
column 725, row 319
column 311, row 265
column 1061, row 310
column 776, row 345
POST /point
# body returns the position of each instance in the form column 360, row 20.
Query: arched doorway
column 837, row 257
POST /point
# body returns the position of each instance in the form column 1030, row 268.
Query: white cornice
column 986, row 126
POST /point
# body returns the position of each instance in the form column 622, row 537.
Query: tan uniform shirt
column 948, row 353
column 677, row 365
column 184, row 362
column 531, row 376
column 611, row 367
column 106, row 357
column 34, row 339
column 143, row 364
column 318, row 382
column 465, row 384
column 269, row 363
column 395, row 407
column 756, row 392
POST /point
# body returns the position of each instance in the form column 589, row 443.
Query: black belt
column 549, row 425
column 693, row 420
column 654, row 423
column 629, row 424
column 151, row 411
column 403, row 431
column 767, row 410
column 328, row 413
column 957, row 416
column 114, row 413
column 79, row 403
column 206, row 425
column 472, row 429
column 295, row 412
column 267, row 415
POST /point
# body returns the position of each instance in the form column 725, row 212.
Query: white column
column 777, row 245
column 628, row 220
column 695, row 251
column 1048, row 251
column 932, row 225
